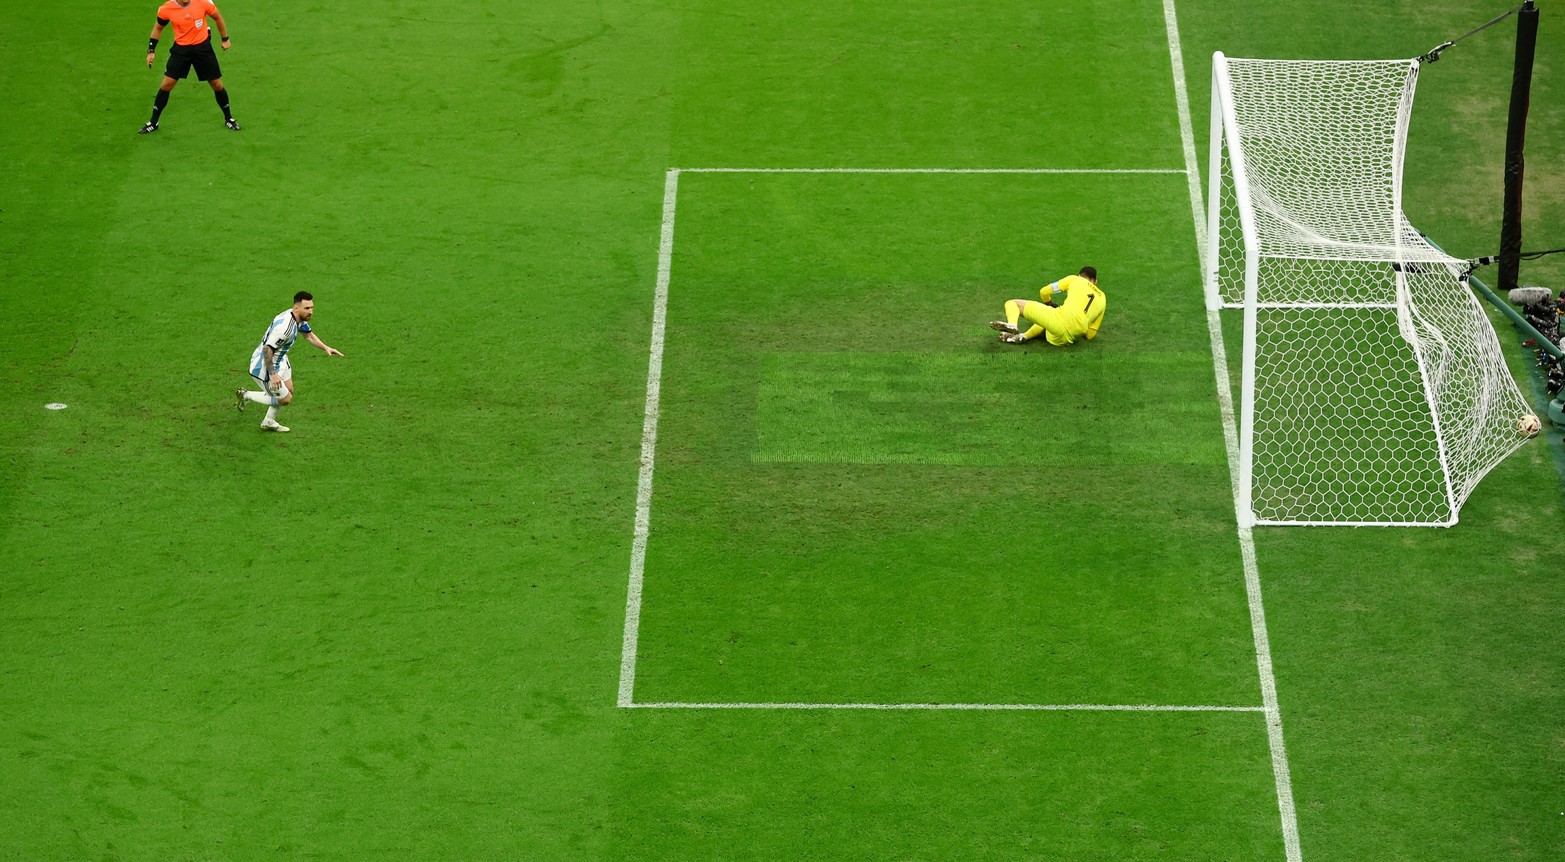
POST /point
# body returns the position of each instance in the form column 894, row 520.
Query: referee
column 192, row 47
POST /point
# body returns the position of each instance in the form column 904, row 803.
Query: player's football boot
column 1002, row 326
column 239, row 395
column 274, row 425
column 232, row 123
column 147, row 129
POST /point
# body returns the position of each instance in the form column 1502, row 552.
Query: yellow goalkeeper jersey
column 1084, row 302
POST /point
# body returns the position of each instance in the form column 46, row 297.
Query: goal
column 1372, row 387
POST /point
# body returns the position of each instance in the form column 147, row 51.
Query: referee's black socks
column 159, row 102
column 222, row 102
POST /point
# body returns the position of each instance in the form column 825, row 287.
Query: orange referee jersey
column 189, row 21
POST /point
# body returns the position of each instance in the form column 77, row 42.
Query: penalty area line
column 969, row 707
column 649, row 428
column 649, row 439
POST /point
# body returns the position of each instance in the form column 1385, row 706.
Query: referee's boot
column 148, row 129
column 232, row 123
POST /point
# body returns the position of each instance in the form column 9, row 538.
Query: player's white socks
column 260, row 397
column 271, row 414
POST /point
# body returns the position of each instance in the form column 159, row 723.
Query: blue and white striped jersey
column 280, row 336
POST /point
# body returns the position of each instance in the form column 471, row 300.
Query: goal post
column 1372, row 387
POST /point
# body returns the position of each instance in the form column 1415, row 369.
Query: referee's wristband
column 152, row 46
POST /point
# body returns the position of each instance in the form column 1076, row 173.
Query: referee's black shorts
column 182, row 57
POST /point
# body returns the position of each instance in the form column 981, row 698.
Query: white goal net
column 1372, row 387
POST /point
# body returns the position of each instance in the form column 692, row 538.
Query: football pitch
column 674, row 500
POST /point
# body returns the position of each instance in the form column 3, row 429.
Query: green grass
column 1079, row 786
column 940, row 408
column 395, row 632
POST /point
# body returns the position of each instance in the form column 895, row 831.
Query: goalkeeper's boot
column 1012, row 338
column 1002, row 326
column 232, row 123
column 239, row 395
column 147, row 129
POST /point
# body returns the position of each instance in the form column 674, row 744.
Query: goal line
column 969, row 707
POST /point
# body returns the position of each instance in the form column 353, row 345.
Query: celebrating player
column 269, row 363
column 1080, row 315
column 192, row 47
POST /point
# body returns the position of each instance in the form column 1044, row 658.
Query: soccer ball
column 1529, row 425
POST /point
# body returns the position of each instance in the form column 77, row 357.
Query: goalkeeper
column 1080, row 315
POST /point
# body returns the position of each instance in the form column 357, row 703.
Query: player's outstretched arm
column 316, row 340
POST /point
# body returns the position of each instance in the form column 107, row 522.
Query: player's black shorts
column 202, row 57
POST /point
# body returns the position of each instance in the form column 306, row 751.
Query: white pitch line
column 1186, row 134
column 649, row 437
column 1252, row 578
column 930, row 170
column 974, row 707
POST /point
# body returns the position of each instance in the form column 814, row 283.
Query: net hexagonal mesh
column 1373, row 390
